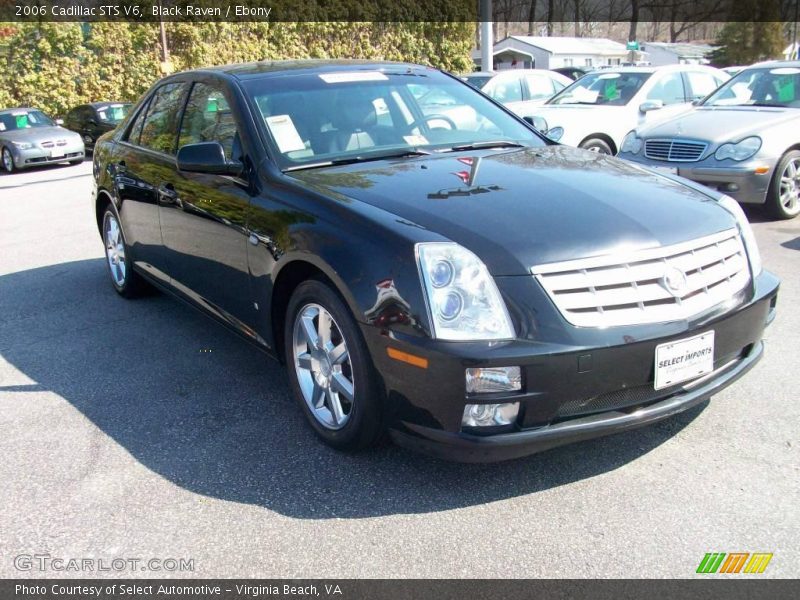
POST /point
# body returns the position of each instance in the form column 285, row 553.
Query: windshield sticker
column 786, row 89
column 785, row 71
column 101, row 114
column 415, row 140
column 2, row 126
column 285, row 133
column 356, row 76
column 611, row 90
column 609, row 76
column 22, row 121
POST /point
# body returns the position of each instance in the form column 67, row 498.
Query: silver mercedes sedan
column 743, row 139
column 29, row 138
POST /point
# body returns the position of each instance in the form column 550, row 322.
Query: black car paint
column 85, row 120
column 235, row 246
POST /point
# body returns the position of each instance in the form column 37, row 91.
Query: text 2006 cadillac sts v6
column 424, row 262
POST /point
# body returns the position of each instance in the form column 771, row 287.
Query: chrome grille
column 640, row 287
column 674, row 150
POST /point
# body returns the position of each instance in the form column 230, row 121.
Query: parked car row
column 29, row 138
column 736, row 135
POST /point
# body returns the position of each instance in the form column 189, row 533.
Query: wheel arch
column 103, row 199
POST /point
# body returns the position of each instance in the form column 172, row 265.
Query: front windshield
column 339, row 116
column 779, row 86
column 113, row 113
column 607, row 89
column 24, row 119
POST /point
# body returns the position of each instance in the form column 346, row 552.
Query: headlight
column 463, row 300
column 749, row 239
column 740, row 150
column 22, row 145
column 631, row 143
column 555, row 133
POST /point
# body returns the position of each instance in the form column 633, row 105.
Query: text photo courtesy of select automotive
column 465, row 301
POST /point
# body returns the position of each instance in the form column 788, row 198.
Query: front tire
column 330, row 370
column 125, row 280
column 7, row 160
column 783, row 196
column 596, row 145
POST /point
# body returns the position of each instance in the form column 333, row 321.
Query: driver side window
column 208, row 118
column 669, row 89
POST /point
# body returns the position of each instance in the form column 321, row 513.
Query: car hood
column 523, row 207
column 721, row 123
column 37, row 135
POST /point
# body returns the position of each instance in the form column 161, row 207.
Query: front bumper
column 612, row 382
column 738, row 180
column 36, row 157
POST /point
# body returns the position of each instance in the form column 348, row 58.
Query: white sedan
column 521, row 90
column 597, row 111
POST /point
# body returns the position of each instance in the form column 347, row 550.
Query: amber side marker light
column 761, row 170
column 405, row 357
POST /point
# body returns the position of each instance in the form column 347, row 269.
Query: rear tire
column 127, row 282
column 330, row 369
column 783, row 196
column 596, row 145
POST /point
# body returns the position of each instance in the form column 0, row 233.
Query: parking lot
column 123, row 436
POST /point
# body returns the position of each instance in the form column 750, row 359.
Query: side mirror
column 59, row 121
column 649, row 105
column 538, row 123
column 697, row 101
column 207, row 157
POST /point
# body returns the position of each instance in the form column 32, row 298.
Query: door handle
column 167, row 194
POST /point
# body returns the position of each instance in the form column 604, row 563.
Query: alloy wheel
column 8, row 161
column 790, row 186
column 323, row 366
column 115, row 250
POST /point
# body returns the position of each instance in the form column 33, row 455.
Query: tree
column 759, row 36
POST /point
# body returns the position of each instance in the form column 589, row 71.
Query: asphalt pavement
column 144, row 430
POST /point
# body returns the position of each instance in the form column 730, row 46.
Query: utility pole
column 795, row 50
column 166, row 65
column 487, row 36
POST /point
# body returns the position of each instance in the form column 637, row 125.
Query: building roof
column 684, row 50
column 573, row 45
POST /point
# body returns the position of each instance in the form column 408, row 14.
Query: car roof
column 775, row 64
column 6, row 111
column 102, row 104
column 259, row 69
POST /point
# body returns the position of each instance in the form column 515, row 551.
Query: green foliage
column 55, row 66
column 755, row 33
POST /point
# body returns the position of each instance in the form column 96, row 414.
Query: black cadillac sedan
column 452, row 279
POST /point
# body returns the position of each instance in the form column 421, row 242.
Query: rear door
column 203, row 216
column 144, row 163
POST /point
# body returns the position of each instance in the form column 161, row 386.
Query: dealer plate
column 670, row 170
column 682, row 360
column 57, row 153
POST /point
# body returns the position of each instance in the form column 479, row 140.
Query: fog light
column 490, row 415
column 493, row 379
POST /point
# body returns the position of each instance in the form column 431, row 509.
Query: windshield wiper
column 481, row 145
column 349, row 160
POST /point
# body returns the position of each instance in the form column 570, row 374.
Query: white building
column 535, row 52
column 663, row 53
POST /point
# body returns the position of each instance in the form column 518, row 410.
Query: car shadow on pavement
column 200, row 407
